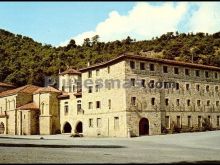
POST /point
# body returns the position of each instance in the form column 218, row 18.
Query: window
column 132, row 64
column 177, row 102
column 133, row 82
column 216, row 75
column 206, row 74
column 188, row 102
column 116, row 123
column 90, row 89
column 90, row 122
column 97, row 72
column 152, row 67
column 99, row 122
column 217, row 103
column 133, row 100
column 218, row 123
column 109, row 104
column 197, row 73
column 79, row 107
column 189, row 121
column 199, row 121
column 97, row 89
column 90, row 105
column 142, row 66
column 187, row 87
column 187, row 72
column 177, row 86
column 197, row 87
column 108, row 69
column 216, row 88
column 167, row 122
column 98, row 104
column 207, row 88
column 66, row 109
column 178, row 122
column 176, row 70
column 198, row 102
column 153, row 101
column 165, row 70
column 143, row 83
column 208, row 103
column 90, row 74
column 167, row 102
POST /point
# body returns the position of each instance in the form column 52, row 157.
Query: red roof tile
column 29, row 106
column 6, row 85
column 48, row 89
column 70, row 71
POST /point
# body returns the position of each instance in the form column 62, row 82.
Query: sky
column 56, row 23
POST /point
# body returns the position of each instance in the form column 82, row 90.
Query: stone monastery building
column 114, row 99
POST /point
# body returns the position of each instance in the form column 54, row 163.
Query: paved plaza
column 173, row 148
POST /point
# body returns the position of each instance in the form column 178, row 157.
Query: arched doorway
column 2, row 128
column 79, row 127
column 67, row 128
column 143, row 127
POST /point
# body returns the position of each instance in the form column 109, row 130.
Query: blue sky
column 57, row 22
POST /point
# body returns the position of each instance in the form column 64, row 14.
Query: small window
column 187, row 72
column 90, row 105
column 206, row 74
column 66, row 109
column 188, row 102
column 152, row 67
column 109, row 104
column 216, row 88
column 216, row 75
column 108, row 69
column 116, row 123
column 197, row 73
column 165, row 70
column 132, row 64
column 90, row 122
column 90, row 89
column 177, row 86
column 142, row 66
column 217, row 103
column 177, row 102
column 167, row 102
column 143, row 83
column 176, row 70
column 189, row 121
column 207, row 88
column 198, row 102
column 197, row 87
column 199, row 121
column 132, row 82
column 208, row 103
column 97, row 88
column 97, row 72
column 167, row 122
column 153, row 101
column 90, row 74
column 133, row 100
column 98, row 104
column 99, row 122
column 178, row 121
column 187, row 87
column 209, row 119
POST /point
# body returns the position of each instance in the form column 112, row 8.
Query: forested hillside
column 25, row 61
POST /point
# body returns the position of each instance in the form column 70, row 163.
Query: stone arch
column 144, row 127
column 79, row 127
column 67, row 128
column 2, row 128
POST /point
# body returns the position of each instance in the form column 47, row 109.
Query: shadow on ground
column 59, row 146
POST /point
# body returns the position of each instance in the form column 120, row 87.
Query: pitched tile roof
column 70, row 71
column 48, row 89
column 159, row 60
column 6, row 85
column 29, row 106
column 24, row 89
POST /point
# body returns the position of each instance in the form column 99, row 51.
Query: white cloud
column 144, row 21
column 206, row 18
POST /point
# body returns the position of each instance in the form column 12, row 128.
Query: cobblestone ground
column 185, row 147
